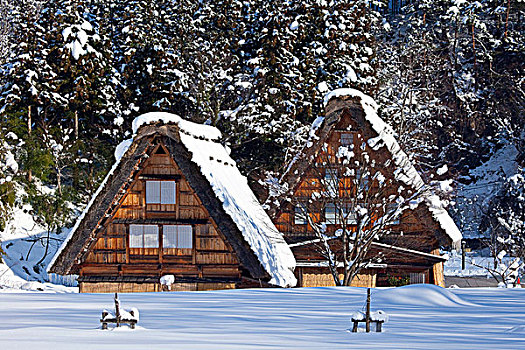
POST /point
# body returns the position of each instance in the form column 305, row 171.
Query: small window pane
column 299, row 215
column 185, row 236
column 347, row 139
column 331, row 181
column 362, row 179
column 390, row 209
column 135, row 236
column 329, row 213
column 151, row 236
column 169, row 236
column 350, row 215
column 167, row 192
column 152, row 191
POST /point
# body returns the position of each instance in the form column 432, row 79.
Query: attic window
column 143, row 236
column 160, row 150
column 177, row 236
column 347, row 139
column 160, row 192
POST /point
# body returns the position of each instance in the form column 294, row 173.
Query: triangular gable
column 353, row 103
column 212, row 174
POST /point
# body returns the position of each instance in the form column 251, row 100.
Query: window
column 350, row 215
column 390, row 210
column 177, row 236
column 329, row 213
column 331, row 181
column 362, row 179
column 300, row 215
column 143, row 236
column 160, row 192
column 347, row 139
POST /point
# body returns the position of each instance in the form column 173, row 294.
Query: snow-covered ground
column 420, row 317
column 475, row 265
column 23, row 242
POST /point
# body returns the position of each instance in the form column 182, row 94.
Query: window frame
column 350, row 215
column 332, row 219
column 177, row 234
column 161, row 184
column 143, row 236
column 300, row 213
column 331, row 180
column 346, row 136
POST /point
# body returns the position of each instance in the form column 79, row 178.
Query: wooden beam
column 160, row 177
column 161, row 221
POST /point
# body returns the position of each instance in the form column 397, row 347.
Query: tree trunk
column 29, row 123
column 47, row 249
column 507, row 18
column 59, row 181
column 76, row 125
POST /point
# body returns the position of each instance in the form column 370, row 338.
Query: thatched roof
column 363, row 109
column 212, row 174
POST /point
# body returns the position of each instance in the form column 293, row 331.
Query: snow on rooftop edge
column 229, row 185
column 120, row 150
column 407, row 172
column 198, row 130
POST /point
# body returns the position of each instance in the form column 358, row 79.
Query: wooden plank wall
column 318, row 277
column 212, row 256
column 111, row 287
column 417, row 226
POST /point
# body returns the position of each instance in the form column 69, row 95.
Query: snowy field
column 421, row 317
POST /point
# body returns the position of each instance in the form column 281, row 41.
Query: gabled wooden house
column 174, row 204
column 412, row 252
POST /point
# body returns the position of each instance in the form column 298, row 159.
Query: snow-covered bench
column 130, row 317
column 378, row 318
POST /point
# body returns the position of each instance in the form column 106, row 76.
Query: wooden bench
column 377, row 323
column 107, row 318
column 119, row 318
column 378, row 318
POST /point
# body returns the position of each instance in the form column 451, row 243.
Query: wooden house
column 174, row 204
column 411, row 254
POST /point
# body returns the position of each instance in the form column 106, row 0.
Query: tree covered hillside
column 448, row 76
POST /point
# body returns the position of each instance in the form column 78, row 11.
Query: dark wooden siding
column 210, row 257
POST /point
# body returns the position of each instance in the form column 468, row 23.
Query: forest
column 448, row 76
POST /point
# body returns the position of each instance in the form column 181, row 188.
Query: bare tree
column 349, row 201
column 505, row 223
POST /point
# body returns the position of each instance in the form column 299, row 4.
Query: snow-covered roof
column 229, row 186
column 404, row 169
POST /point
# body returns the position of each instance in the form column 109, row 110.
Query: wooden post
column 367, row 318
column 463, row 255
column 104, row 324
column 117, row 309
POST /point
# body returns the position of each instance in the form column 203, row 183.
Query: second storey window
column 331, row 181
column 300, row 215
column 347, row 139
column 160, row 192
column 177, row 236
column 330, row 213
column 143, row 236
